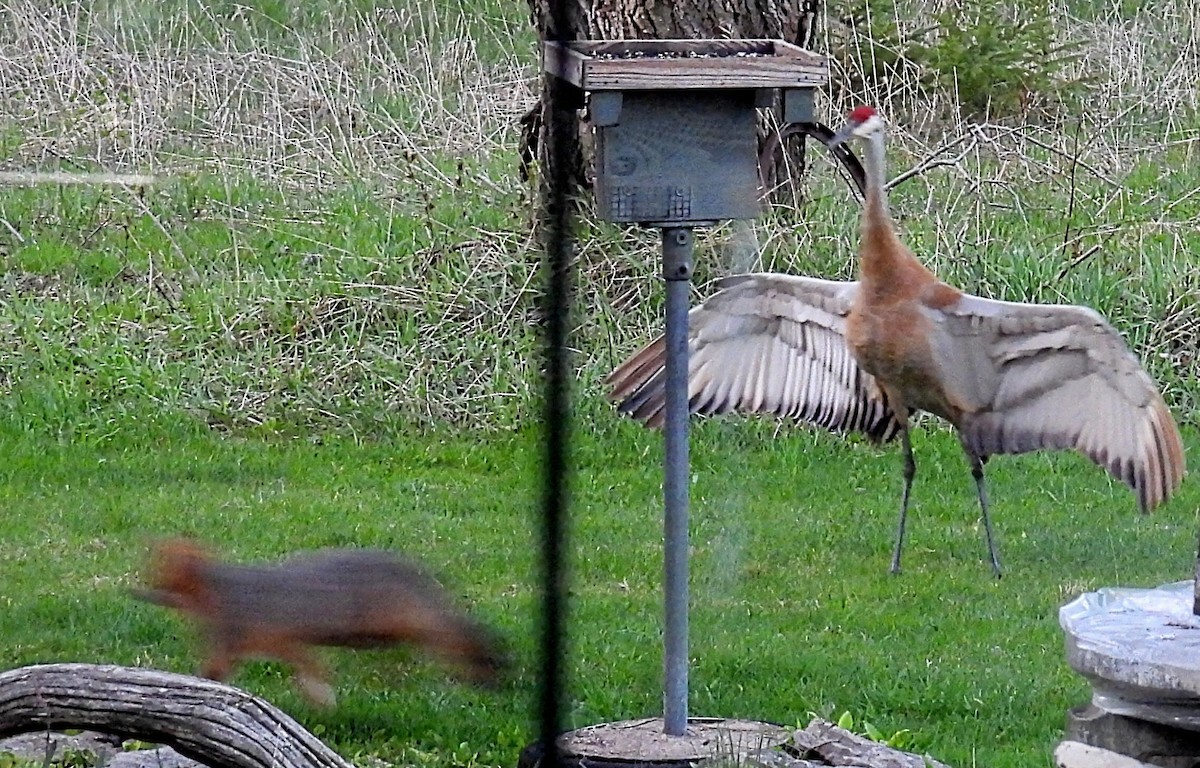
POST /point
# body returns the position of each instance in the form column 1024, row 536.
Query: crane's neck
column 886, row 267
column 876, row 204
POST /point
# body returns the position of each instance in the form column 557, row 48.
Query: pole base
column 632, row 743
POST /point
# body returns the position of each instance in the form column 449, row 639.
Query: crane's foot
column 993, row 556
column 992, row 551
column 899, row 548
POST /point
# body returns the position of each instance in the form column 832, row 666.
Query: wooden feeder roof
column 621, row 65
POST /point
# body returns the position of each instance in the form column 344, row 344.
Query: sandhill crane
column 865, row 355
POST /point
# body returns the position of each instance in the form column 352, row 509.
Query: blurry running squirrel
column 356, row 598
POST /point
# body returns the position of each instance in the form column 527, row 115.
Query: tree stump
column 210, row 722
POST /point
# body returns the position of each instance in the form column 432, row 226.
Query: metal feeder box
column 675, row 121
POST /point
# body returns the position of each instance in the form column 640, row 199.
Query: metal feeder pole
column 677, row 270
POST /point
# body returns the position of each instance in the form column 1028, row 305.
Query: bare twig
column 935, row 160
column 1072, row 157
column 1078, row 260
column 1072, row 189
column 13, row 231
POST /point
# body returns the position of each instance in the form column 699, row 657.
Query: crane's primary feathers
column 767, row 344
column 863, row 356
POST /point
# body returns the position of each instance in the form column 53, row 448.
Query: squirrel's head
column 174, row 572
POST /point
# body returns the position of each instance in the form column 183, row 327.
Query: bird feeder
column 675, row 121
column 676, row 147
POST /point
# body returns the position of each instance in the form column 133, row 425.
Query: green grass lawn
column 319, row 327
column 793, row 610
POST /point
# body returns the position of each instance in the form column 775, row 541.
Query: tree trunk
column 212, row 723
column 791, row 20
column 794, row 21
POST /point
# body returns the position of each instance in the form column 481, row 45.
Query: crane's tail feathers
column 1147, row 455
column 1161, row 473
column 637, row 385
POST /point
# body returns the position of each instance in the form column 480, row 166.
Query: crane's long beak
column 843, row 135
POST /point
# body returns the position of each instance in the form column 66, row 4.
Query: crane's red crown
column 862, row 114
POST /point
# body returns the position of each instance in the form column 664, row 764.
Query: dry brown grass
column 358, row 95
column 420, row 300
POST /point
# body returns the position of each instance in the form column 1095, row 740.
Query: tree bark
column 212, row 723
column 794, row 21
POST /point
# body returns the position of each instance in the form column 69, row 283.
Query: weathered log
column 210, row 722
column 824, row 742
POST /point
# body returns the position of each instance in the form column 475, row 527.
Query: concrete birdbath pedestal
column 676, row 147
column 1140, row 649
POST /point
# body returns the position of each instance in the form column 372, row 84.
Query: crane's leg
column 981, row 489
column 910, row 471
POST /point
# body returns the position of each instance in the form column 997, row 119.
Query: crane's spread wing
column 764, row 343
column 1050, row 376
